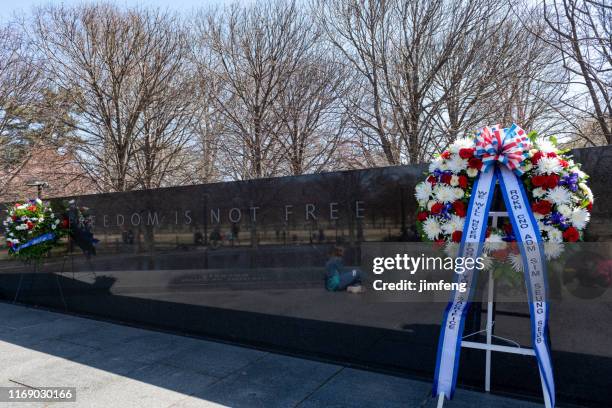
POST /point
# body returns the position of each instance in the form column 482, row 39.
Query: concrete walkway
column 117, row 366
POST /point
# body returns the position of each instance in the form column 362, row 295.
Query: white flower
column 546, row 146
column 454, row 223
column 436, row 164
column 548, row 165
column 554, row 235
column 456, row 164
column 472, row 172
column 553, row 250
column 461, row 143
column 516, row 261
column 580, row 217
column 422, row 191
column 565, row 210
column 53, row 226
column 538, row 192
column 444, row 194
column 587, row 191
column 541, row 226
column 559, row 195
column 494, row 243
column 459, row 193
column 454, row 181
column 487, row 262
column 431, row 228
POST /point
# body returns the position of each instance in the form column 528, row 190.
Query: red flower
column 463, row 181
column 508, row 229
column 14, row 218
column 538, row 181
column 475, row 163
column 545, row 182
column 437, row 208
column 446, row 178
column 542, row 206
column 551, row 154
column 466, row 153
column 9, row 243
column 459, row 207
column 439, row 243
column 456, row 237
column 537, row 156
column 551, row 181
column 564, row 163
column 422, row 216
column 571, row 234
column 589, row 207
column 445, row 154
column 432, row 180
column 65, row 223
column 32, row 208
column 30, row 225
column 500, row 254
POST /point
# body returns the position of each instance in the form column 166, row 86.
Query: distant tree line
column 145, row 98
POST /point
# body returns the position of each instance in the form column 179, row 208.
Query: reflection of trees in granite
column 387, row 194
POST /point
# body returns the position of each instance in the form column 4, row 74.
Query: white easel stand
column 488, row 346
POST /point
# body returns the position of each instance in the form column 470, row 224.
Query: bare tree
column 581, row 32
column 423, row 66
column 257, row 49
column 312, row 117
column 115, row 64
column 359, row 30
column 19, row 85
column 165, row 124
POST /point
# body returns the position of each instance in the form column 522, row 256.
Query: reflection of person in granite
column 338, row 277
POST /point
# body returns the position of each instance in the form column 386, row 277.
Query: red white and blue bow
column 509, row 146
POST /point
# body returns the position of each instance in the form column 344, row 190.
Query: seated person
column 337, row 277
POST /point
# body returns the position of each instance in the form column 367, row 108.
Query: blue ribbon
column 526, row 229
column 35, row 241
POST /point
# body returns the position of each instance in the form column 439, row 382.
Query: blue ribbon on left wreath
column 501, row 151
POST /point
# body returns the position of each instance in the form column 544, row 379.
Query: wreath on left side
column 33, row 229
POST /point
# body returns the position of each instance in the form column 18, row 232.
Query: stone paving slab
column 119, row 366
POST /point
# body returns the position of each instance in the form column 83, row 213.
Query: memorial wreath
column 548, row 204
column 32, row 229
column 556, row 190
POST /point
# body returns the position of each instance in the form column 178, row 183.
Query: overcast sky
column 9, row 7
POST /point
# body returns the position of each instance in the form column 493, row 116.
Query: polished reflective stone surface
column 244, row 261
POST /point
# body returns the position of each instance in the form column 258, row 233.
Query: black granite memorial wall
column 244, row 262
